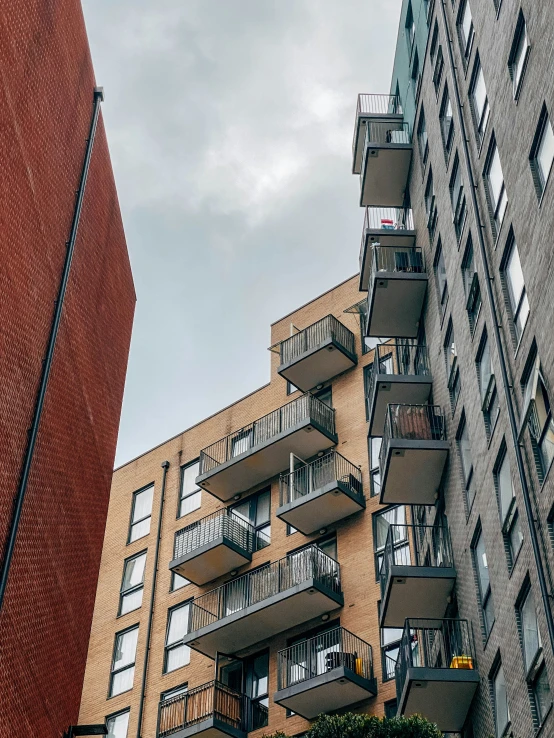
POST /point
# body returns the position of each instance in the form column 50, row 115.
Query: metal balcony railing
column 211, row 700
column 222, row 523
column 434, row 644
column 429, row 545
column 375, row 105
column 313, row 476
column 305, row 407
column 413, row 423
column 385, row 132
column 310, row 563
column 393, row 219
column 398, row 359
column 313, row 336
column 407, row 259
column 321, row 654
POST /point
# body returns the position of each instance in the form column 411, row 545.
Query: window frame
column 447, row 130
column 480, row 121
column 484, row 598
column 466, row 44
column 438, row 71
column 472, row 288
column 430, row 205
column 168, row 647
column 468, row 474
column 489, row 395
column 391, row 645
column 133, row 523
column 400, row 543
column 172, row 587
column 539, row 179
column 497, row 210
column 439, row 268
column 497, row 667
column 191, row 493
column 459, row 207
column 126, row 667
column 422, row 138
column 133, row 589
column 514, row 308
column 115, row 715
column 261, row 535
column 520, row 29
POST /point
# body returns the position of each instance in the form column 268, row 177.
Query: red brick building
column 46, row 108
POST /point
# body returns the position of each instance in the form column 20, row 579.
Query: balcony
column 262, row 449
column 381, row 150
column 329, row 672
column 400, row 375
column 321, row 493
column 417, row 577
column 317, row 354
column 413, row 454
column 263, row 602
column 214, row 546
column 436, row 672
column 384, row 227
column 397, row 287
column 210, row 710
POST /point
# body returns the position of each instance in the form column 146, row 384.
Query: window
column 434, row 42
column 176, row 653
column 446, row 123
column 381, row 523
column 256, row 511
column 479, row 102
column 466, row 461
column 542, row 152
column 190, row 497
column 439, row 268
column 256, row 672
column 471, row 285
column 430, row 206
column 325, row 396
column 437, row 73
column 500, row 701
column 175, row 692
column 374, row 444
column 118, row 724
column 519, row 53
column 422, row 139
column 123, row 662
column 514, row 289
column 141, row 513
column 291, row 389
column 416, row 76
column 133, row 584
column 496, row 192
column 487, row 384
column 410, row 28
column 503, row 483
column 449, row 349
column 483, row 582
column 391, row 708
column 537, row 415
column 529, row 629
column 241, row 442
column 177, row 581
column 466, row 32
column 390, row 648
column 457, row 198
column 455, row 388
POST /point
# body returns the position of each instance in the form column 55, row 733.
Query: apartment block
column 372, row 530
column 66, row 311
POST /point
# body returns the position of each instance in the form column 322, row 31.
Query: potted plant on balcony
column 351, row 725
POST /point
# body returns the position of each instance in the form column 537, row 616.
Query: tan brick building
column 277, row 610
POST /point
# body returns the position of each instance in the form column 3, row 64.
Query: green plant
column 351, row 725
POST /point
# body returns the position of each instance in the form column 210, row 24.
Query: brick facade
column 46, row 102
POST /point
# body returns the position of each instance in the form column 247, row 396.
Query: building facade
column 66, row 315
column 379, row 539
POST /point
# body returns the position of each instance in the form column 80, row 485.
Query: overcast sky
column 230, row 128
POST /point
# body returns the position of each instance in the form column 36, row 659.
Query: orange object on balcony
column 461, row 662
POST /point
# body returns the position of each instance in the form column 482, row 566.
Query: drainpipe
column 165, row 467
column 500, row 349
column 47, row 361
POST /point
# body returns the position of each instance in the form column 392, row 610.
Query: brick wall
column 46, row 99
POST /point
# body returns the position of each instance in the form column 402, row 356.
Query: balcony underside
column 360, row 133
column 318, row 365
column 211, row 727
column 384, row 237
column 210, row 561
column 321, row 508
column 334, row 690
column 396, row 389
column 416, row 592
column 266, row 460
column 443, row 696
column 385, row 175
column 260, row 621
column 413, row 471
column 396, row 304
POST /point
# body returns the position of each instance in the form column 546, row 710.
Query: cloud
column 230, row 127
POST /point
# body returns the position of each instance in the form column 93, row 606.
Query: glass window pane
column 263, row 508
column 545, row 153
column 479, row 94
column 178, row 624
column 131, row 601
column 260, row 675
column 190, row 503
column 530, row 629
column 138, row 530
column 465, row 453
column 514, row 278
column 177, row 581
column 516, row 537
column 123, row 681
column 505, row 486
column 542, row 693
column 176, row 657
column 484, row 368
column 395, row 516
column 482, row 566
column 329, row 547
column 143, row 504
column 501, row 702
column 117, row 725
column 467, row 23
column 496, row 178
column 519, row 58
column 522, row 315
column 134, row 572
column 126, row 647
column 190, row 473
column 375, row 451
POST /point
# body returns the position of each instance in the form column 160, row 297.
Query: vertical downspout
column 165, row 467
column 500, row 349
column 47, row 361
